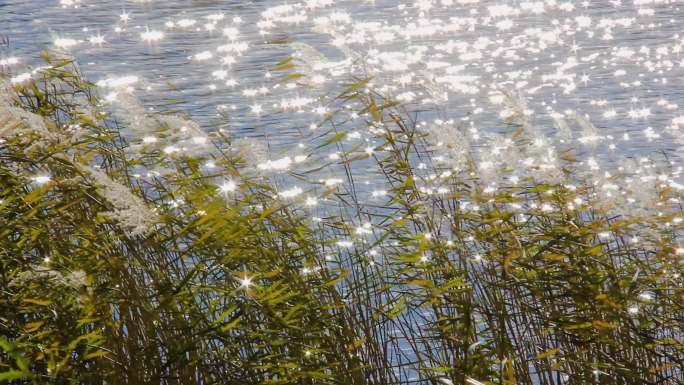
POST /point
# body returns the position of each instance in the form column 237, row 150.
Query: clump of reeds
column 196, row 275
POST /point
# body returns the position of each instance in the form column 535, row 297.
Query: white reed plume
column 129, row 209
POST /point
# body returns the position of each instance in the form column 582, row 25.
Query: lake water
column 619, row 63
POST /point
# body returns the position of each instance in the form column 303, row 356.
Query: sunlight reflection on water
column 619, row 63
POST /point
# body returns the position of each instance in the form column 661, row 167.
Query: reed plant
column 123, row 262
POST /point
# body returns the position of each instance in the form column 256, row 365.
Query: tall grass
column 189, row 275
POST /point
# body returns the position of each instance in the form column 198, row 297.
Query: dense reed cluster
column 173, row 258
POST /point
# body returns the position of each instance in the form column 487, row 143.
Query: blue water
column 32, row 26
